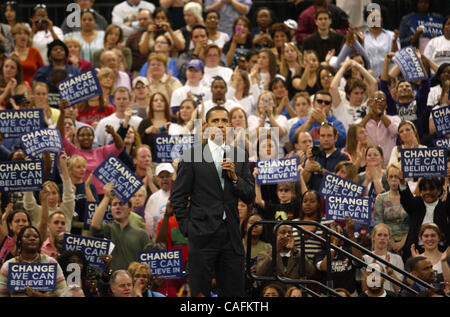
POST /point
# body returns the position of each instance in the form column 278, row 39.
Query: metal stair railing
column 328, row 245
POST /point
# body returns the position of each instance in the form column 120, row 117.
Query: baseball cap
column 164, row 167
column 291, row 24
column 196, row 63
column 142, row 80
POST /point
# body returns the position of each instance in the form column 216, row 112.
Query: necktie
column 218, row 159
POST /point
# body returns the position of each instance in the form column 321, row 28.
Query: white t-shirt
column 247, row 103
column 253, row 124
column 155, row 208
column 438, row 50
column 221, row 40
column 395, row 259
column 180, row 94
column 103, row 138
column 221, row 71
column 42, row 38
column 229, row 104
column 434, row 96
column 349, row 115
column 124, row 10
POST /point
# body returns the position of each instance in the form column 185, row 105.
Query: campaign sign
column 335, row 185
column 89, row 213
column 442, row 142
column 171, row 147
column 358, row 208
column 40, row 141
column 14, row 123
column 441, row 118
column 277, row 171
column 38, row 276
column 424, row 162
column 432, row 24
column 113, row 170
column 409, row 64
column 91, row 247
column 167, row 264
column 80, row 88
column 21, row 176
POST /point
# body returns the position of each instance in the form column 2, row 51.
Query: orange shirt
column 31, row 64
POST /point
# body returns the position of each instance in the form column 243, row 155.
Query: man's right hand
column 107, row 189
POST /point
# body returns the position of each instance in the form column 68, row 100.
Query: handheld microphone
column 226, row 149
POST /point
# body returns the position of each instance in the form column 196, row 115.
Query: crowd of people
column 322, row 86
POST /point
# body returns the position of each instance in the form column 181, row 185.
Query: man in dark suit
column 204, row 199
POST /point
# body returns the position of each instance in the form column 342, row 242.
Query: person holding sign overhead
column 127, row 239
column 29, row 251
column 211, row 221
column 85, row 137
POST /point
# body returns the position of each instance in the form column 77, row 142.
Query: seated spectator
column 111, row 60
column 438, row 49
column 302, row 142
column 142, row 162
column 219, row 91
column 280, row 35
column 374, row 176
column 212, row 66
column 244, row 90
column 186, row 116
column 264, row 18
column 422, row 268
column 141, row 93
column 74, row 46
column 94, row 110
column 28, row 251
column 324, row 40
column 143, row 280
column 437, row 84
column 106, row 78
column 212, row 19
column 424, row 208
column 357, row 143
column 293, row 291
column 91, row 38
column 11, row 80
column 100, row 21
column 283, row 106
column 381, row 128
column 43, row 31
column 126, row 12
column 375, row 282
column 40, row 100
column 29, row 57
column 138, row 59
column 272, row 290
column 389, row 211
column 127, row 239
column 306, row 20
column 56, row 226
column 308, row 80
column 343, row 269
column 10, row 16
column 121, row 284
column 291, row 64
column 72, row 291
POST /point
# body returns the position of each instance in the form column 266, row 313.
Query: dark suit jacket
column 416, row 209
column 198, row 182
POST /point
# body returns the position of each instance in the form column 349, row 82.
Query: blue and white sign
column 167, row 264
column 80, row 88
column 442, row 142
column 424, row 162
column 433, row 25
column 21, row 176
column 91, row 247
column 14, row 123
column 410, row 64
column 277, row 171
column 171, row 147
column 40, row 141
column 335, row 185
column 441, row 118
column 358, row 208
column 38, row 276
column 89, row 213
column 113, row 170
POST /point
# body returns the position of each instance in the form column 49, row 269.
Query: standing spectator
column 156, row 205
column 213, row 68
column 56, row 226
column 141, row 96
column 381, row 127
column 74, row 46
column 280, row 35
column 244, row 90
column 408, row 139
column 29, row 57
column 355, row 10
column 229, row 11
column 353, row 107
column 241, row 41
column 175, row 10
column 43, row 31
column 40, row 101
column 192, row 12
column 110, row 59
column 306, row 20
column 91, row 39
column 357, row 143
column 389, row 211
column 219, row 92
column 407, row 105
column 374, row 176
column 145, row 19
column 438, row 49
column 375, row 283
column 94, row 110
column 422, row 268
column 126, row 12
column 324, row 40
column 11, row 80
column 100, row 21
column 327, row 158
column 309, row 79
column 127, row 239
column 212, row 19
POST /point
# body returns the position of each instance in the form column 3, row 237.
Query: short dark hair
column 216, row 78
column 412, row 262
column 216, row 108
column 321, row 11
column 199, row 26
column 431, row 182
column 328, row 125
column 208, row 12
column 322, row 92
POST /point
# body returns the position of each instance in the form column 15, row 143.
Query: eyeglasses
column 284, row 190
column 140, row 87
column 321, row 101
column 327, row 76
column 327, row 124
column 379, row 99
column 88, row 10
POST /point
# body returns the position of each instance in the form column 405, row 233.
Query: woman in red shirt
column 93, row 110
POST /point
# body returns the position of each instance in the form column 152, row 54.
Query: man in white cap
column 141, row 96
column 156, row 204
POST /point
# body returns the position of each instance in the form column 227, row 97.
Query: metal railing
column 327, row 246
